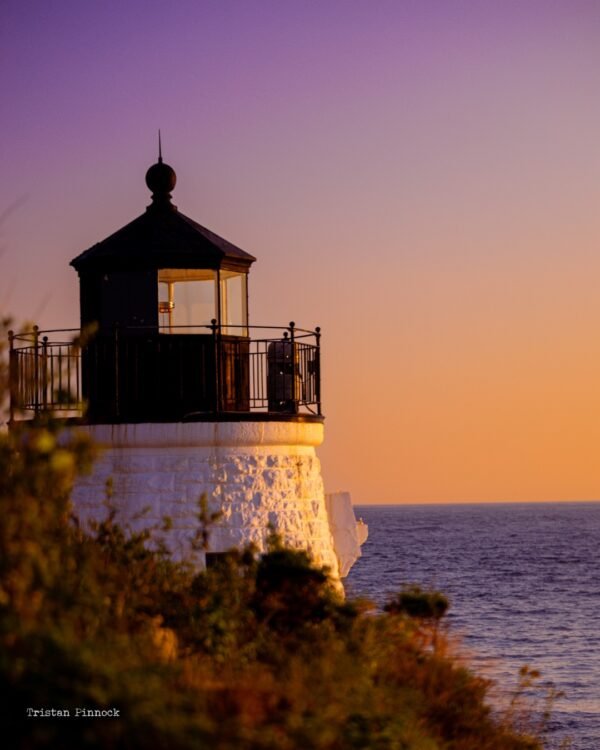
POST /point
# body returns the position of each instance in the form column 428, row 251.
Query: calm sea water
column 524, row 584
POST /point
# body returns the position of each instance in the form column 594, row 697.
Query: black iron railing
column 145, row 374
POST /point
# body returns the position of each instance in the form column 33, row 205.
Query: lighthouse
column 184, row 396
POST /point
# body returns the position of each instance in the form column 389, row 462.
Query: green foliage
column 422, row 605
column 259, row 653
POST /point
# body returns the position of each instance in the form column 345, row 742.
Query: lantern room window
column 234, row 302
column 189, row 299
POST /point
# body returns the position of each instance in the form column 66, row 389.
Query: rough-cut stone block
column 177, row 464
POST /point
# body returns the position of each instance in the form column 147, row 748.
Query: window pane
column 186, row 298
column 233, row 303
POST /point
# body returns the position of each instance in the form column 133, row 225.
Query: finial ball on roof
column 161, row 178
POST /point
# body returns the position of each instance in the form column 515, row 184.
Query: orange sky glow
column 420, row 180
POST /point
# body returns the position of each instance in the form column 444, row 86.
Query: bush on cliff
column 254, row 653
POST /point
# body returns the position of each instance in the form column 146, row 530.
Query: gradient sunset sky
column 421, row 179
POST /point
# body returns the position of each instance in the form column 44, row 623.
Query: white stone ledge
column 252, row 435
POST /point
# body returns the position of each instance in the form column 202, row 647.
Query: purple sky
column 422, row 179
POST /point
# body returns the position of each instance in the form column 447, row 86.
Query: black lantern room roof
column 162, row 237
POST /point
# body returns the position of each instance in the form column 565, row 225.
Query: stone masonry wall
column 256, row 473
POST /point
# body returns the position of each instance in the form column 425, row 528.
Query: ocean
column 524, row 584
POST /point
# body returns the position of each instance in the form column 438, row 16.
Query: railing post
column 116, row 353
column 13, row 374
column 45, row 372
column 294, row 403
column 318, row 369
column 36, row 370
column 216, row 334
